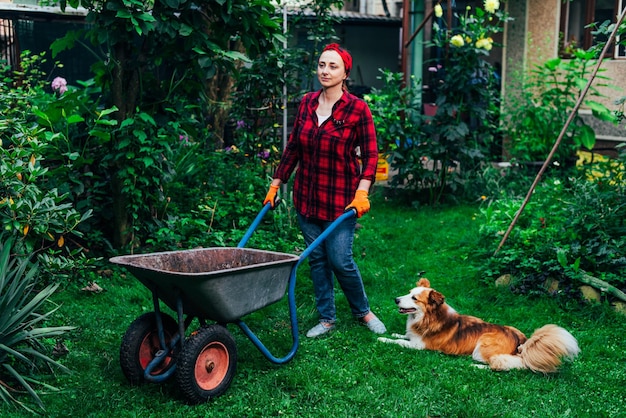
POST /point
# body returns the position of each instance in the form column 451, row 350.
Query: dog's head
column 420, row 300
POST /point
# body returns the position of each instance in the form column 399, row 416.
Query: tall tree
column 158, row 52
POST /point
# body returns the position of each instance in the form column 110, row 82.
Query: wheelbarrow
column 206, row 284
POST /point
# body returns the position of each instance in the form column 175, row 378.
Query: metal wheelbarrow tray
column 216, row 284
column 219, row 284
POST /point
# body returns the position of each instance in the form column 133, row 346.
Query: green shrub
column 213, row 201
column 435, row 154
column 41, row 177
column 23, row 333
column 544, row 103
column 568, row 226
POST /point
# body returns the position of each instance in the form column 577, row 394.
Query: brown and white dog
column 433, row 325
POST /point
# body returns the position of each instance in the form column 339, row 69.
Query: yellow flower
column 26, row 229
column 492, row 5
column 485, row 43
column 438, row 10
column 457, row 40
column 61, row 241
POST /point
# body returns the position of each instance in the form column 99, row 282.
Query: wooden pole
column 419, row 28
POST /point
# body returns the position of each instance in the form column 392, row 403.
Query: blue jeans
column 334, row 255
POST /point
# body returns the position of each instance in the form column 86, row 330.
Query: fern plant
column 22, row 352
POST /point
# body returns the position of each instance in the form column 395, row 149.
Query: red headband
column 344, row 54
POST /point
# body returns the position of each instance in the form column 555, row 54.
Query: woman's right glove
column 360, row 203
column 271, row 196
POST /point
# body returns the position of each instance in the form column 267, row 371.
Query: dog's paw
column 402, row 336
column 385, row 340
column 480, row 366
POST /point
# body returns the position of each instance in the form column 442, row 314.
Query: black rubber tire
column 207, row 364
column 141, row 343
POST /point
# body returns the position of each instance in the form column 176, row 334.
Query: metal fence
column 22, row 31
column 9, row 47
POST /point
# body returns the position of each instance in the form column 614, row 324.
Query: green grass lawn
column 350, row 373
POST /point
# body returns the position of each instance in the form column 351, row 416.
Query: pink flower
column 59, row 84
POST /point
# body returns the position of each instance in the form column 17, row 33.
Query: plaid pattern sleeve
column 328, row 166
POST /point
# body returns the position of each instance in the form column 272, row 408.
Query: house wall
column 543, row 35
column 532, row 38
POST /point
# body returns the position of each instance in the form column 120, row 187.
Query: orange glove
column 271, row 196
column 361, row 203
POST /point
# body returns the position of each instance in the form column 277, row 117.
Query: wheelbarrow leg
column 142, row 357
column 292, row 298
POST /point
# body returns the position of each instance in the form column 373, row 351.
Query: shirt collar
column 316, row 95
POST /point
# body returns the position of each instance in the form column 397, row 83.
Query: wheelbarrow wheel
column 140, row 346
column 206, row 364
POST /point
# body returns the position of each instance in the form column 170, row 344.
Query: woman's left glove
column 271, row 197
column 361, row 203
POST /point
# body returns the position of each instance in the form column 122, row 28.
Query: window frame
column 589, row 18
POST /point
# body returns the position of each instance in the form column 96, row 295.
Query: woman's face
column 331, row 70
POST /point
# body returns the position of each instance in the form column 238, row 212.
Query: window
column 577, row 15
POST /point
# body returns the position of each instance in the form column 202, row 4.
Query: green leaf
column 601, row 111
column 124, row 143
column 123, row 14
column 103, row 135
column 205, row 62
column 106, row 122
column 108, row 111
column 146, row 118
column 553, row 64
column 73, row 156
column 127, row 122
column 146, row 17
column 66, row 42
column 185, row 30
column 587, row 136
column 236, row 55
column 75, row 119
column 581, row 83
column 148, row 161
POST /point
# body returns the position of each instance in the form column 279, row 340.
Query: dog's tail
column 547, row 347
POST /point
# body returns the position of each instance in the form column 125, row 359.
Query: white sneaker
column 319, row 329
column 375, row 325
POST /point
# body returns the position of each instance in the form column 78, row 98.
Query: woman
column 331, row 124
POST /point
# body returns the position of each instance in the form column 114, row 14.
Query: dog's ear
column 423, row 282
column 436, row 298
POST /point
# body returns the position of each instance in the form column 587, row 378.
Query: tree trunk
column 219, row 90
column 124, row 92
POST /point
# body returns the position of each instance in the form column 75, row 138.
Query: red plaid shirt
column 329, row 169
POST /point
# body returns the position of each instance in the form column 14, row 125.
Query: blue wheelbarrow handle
column 254, row 225
column 257, row 221
column 348, row 214
column 292, row 291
